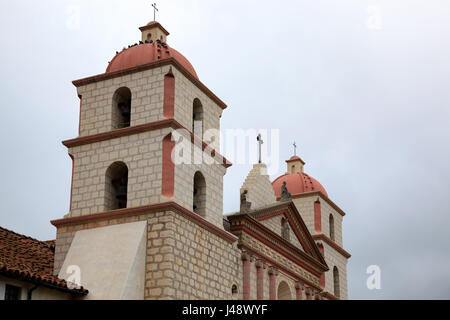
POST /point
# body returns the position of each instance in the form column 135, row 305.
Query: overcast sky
column 362, row 86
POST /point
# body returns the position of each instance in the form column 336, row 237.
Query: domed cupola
column 297, row 182
column 151, row 48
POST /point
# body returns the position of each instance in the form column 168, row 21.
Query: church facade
column 143, row 226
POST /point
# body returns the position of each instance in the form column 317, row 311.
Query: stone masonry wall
column 334, row 258
column 281, row 277
column 326, row 211
column 185, row 94
column 142, row 153
column 259, row 187
column 205, row 265
column 147, row 90
column 305, row 205
column 184, row 260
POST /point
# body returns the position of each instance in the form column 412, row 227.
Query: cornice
column 289, row 210
column 332, row 244
column 274, row 241
column 322, row 196
column 168, row 123
column 165, row 206
column 329, row 295
column 153, row 25
column 152, row 65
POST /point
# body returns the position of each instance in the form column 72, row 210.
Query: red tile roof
column 30, row 260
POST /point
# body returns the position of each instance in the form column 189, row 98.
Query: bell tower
column 135, row 119
column 123, row 155
column 154, row 31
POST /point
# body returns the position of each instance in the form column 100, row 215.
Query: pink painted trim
column 287, row 216
column 168, row 167
column 299, row 292
column 272, row 286
column 151, row 65
column 322, row 277
column 316, row 259
column 268, row 243
column 169, row 94
column 167, row 123
column 296, row 215
column 246, row 279
column 79, row 119
column 332, row 244
column 260, row 282
column 317, row 216
column 71, row 183
column 329, row 296
column 280, row 267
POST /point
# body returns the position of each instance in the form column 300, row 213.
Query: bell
column 122, row 192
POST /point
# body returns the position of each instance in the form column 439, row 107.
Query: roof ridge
column 27, row 237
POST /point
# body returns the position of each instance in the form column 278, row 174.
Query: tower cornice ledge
column 168, row 123
column 164, row 206
column 331, row 243
column 151, row 65
column 322, row 196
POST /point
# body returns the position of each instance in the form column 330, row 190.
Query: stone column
column 273, row 273
column 322, row 252
column 299, row 290
column 309, row 293
column 246, row 261
column 260, row 266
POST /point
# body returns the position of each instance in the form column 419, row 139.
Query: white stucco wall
column 111, row 261
column 41, row 293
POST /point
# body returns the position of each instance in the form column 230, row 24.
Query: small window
column 12, row 292
column 331, row 222
column 116, row 189
column 149, row 37
column 337, row 288
column 285, row 230
column 234, row 289
column 197, row 118
column 284, row 292
column 199, row 194
column 121, row 117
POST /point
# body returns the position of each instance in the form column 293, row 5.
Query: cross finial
column 260, row 143
column 295, row 148
column 154, row 11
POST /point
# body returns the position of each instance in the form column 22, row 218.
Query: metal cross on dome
column 295, row 148
column 260, row 143
column 154, row 11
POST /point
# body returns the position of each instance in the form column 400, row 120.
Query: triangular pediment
column 270, row 218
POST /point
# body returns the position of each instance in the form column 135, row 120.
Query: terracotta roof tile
column 30, row 260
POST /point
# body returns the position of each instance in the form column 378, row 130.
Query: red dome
column 297, row 183
column 146, row 53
